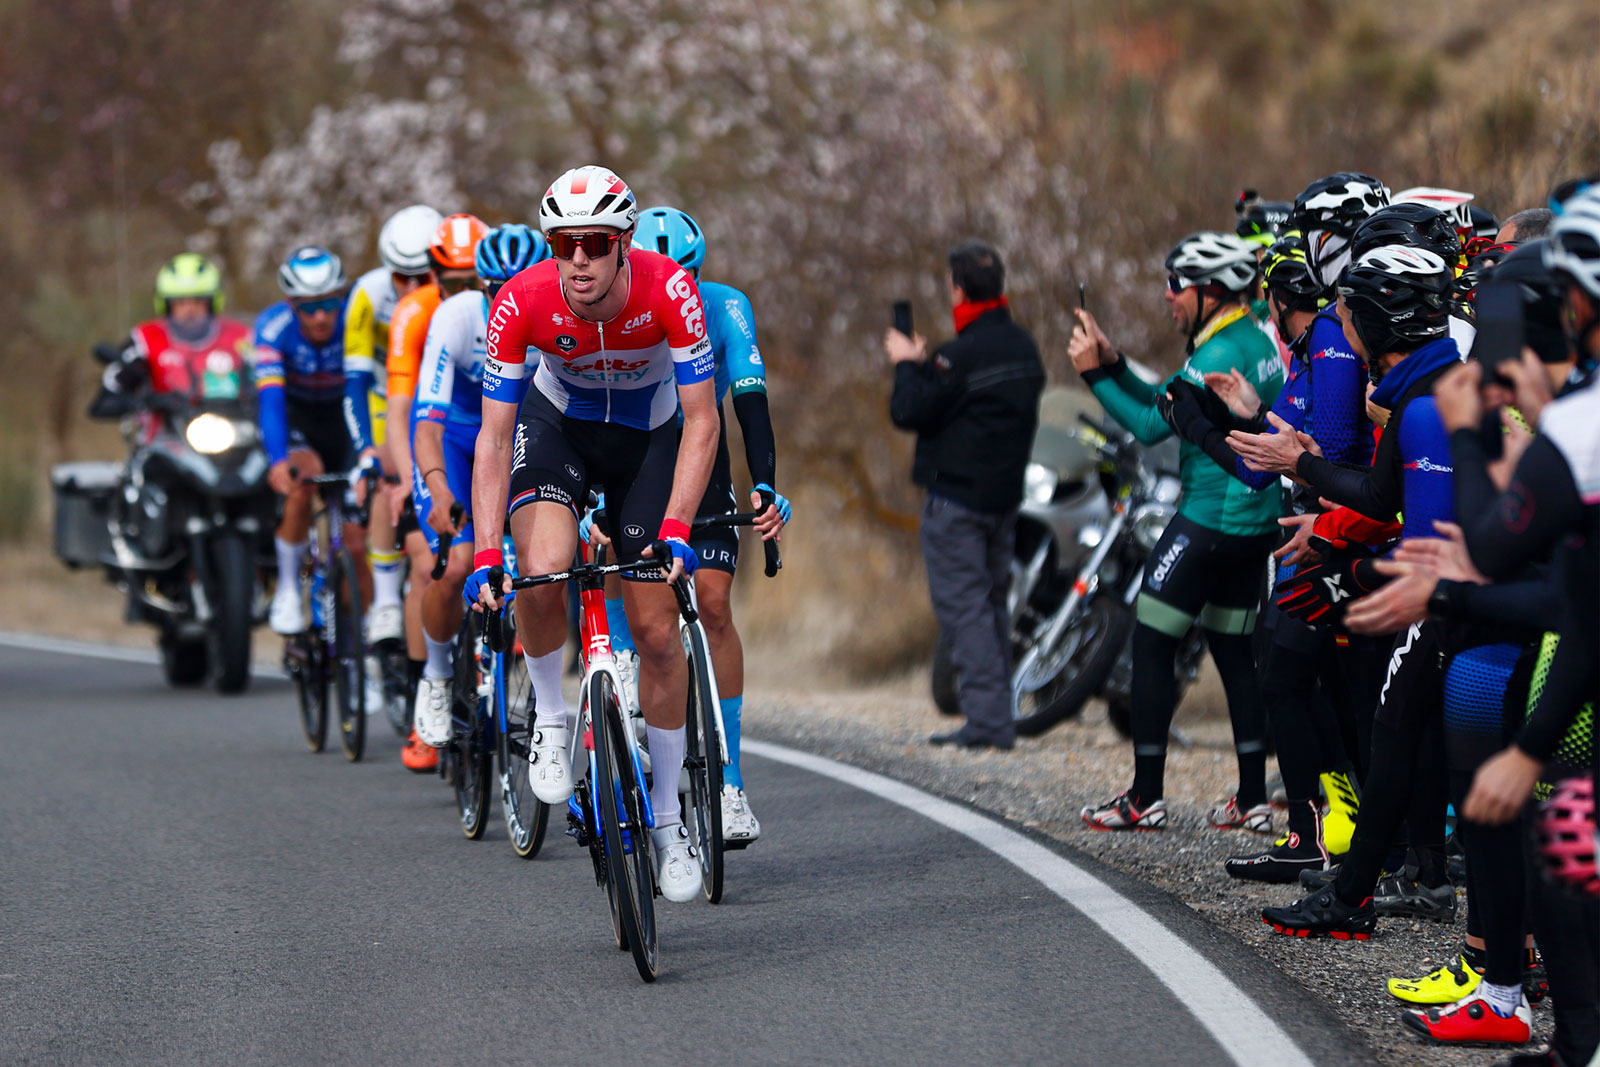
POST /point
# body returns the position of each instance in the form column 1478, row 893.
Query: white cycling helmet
column 588, row 196
column 1573, row 247
column 1211, row 258
column 403, row 241
column 1454, row 203
column 311, row 271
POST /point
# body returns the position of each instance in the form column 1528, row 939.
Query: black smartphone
column 1083, row 300
column 902, row 316
column 1499, row 338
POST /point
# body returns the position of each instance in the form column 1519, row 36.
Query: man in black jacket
column 974, row 405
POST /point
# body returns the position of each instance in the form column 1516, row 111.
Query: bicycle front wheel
column 306, row 657
column 349, row 656
column 526, row 815
column 703, row 761
column 622, row 824
column 469, row 736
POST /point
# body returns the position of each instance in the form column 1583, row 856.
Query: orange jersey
column 408, row 331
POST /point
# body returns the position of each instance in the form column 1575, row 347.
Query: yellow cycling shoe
column 1339, row 824
column 1445, row 986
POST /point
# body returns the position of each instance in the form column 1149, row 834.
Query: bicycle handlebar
column 769, row 547
column 441, row 559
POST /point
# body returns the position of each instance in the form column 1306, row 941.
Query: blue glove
column 780, row 501
column 681, row 551
column 474, row 585
column 586, row 524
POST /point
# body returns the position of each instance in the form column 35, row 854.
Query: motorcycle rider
column 1209, row 563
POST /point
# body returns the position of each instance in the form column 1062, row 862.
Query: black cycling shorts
column 718, row 548
column 557, row 459
column 321, row 428
column 1197, row 573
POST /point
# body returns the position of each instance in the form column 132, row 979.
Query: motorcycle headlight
column 1148, row 521
column 1039, row 484
column 209, row 434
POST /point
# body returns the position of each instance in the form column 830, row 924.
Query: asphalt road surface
column 181, row 881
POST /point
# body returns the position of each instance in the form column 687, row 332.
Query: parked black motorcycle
column 182, row 528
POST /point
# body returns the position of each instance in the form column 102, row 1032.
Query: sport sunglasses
column 565, row 244
column 1177, row 284
column 328, row 304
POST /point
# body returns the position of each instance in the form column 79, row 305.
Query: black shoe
column 1405, row 898
column 1535, row 981
column 964, row 738
column 1319, row 879
column 1323, row 914
column 1283, row 863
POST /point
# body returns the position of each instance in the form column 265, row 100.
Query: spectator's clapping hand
column 1445, row 555
column 1277, row 452
column 1236, row 391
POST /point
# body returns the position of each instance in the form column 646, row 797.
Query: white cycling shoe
column 432, row 713
column 677, row 866
column 548, row 774
column 386, row 623
column 287, row 616
column 373, row 671
column 739, row 823
column 628, row 675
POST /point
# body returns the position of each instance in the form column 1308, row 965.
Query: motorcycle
column 1095, row 504
column 183, row 527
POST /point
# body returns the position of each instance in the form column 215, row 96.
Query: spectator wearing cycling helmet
column 183, row 351
column 403, row 250
column 1328, row 211
column 612, row 339
column 1394, row 303
column 1261, row 222
column 304, row 396
column 1324, row 396
column 1209, row 564
column 449, row 413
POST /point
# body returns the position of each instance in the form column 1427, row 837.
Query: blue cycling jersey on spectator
column 290, row 369
column 1325, row 396
column 731, row 326
column 1429, row 491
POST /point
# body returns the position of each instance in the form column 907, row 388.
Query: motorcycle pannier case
column 83, row 499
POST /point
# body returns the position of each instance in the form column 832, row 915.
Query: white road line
column 1244, row 1031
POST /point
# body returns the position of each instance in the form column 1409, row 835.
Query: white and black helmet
column 1338, row 202
column 1399, row 298
column 1573, row 247
column 1456, row 204
column 588, row 196
column 1210, row 258
column 403, row 241
column 311, row 271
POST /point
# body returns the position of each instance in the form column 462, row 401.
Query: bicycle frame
column 684, row 628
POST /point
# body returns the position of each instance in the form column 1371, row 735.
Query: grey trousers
column 968, row 554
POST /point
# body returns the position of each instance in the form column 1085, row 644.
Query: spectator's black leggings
column 1407, row 771
column 1198, row 574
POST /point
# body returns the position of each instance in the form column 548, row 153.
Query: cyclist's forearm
column 397, row 435
column 491, row 474
column 429, row 450
column 697, row 452
column 760, row 444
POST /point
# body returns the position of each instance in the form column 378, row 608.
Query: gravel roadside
column 1045, row 781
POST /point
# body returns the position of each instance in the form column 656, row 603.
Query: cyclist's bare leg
column 713, row 593
column 546, row 536
column 355, row 539
column 421, row 564
column 295, row 526
column 442, row 606
column 663, row 678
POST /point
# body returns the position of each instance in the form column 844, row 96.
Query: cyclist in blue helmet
column 445, row 420
column 730, row 324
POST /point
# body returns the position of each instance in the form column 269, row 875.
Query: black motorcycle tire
column 234, row 567
column 1060, row 700
column 944, row 682
column 184, row 663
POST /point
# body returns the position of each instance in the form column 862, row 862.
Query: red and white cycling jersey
column 625, row 370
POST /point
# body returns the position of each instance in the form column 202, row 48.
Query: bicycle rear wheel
column 349, row 653
column 526, row 815
column 397, row 692
column 306, row 657
column 703, row 761
column 469, row 736
column 622, row 823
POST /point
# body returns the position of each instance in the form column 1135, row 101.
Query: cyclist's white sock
column 385, row 578
column 438, row 666
column 666, row 759
column 549, row 704
column 1504, row 999
column 289, row 557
